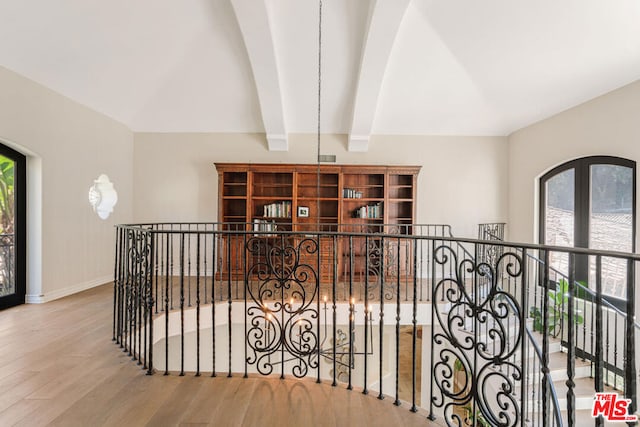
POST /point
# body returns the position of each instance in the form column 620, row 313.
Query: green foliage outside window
column 558, row 300
column 7, row 197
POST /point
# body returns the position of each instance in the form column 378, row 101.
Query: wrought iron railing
column 407, row 312
column 600, row 329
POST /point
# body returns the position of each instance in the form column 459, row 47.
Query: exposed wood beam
column 384, row 24
column 253, row 19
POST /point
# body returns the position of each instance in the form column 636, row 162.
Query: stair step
column 558, row 367
column 584, row 418
column 584, row 391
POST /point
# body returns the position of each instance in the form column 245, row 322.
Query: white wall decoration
column 103, row 196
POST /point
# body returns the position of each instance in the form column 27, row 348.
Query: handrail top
column 450, row 238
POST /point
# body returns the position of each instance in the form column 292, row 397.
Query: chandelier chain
column 319, row 108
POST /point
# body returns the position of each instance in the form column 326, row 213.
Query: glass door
column 560, row 216
column 12, row 227
column 590, row 203
column 611, row 222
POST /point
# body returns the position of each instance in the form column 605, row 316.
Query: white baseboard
column 60, row 293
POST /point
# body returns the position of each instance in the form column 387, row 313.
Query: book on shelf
column 277, row 210
column 350, row 193
column 369, row 211
column 264, row 225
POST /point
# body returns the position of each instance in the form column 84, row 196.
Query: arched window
column 590, row 203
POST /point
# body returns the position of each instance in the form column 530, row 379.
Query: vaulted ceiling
column 455, row 67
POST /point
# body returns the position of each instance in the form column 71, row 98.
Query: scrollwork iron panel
column 282, row 305
column 477, row 335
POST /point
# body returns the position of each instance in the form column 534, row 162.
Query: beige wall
column 69, row 145
column 608, row 125
column 462, row 182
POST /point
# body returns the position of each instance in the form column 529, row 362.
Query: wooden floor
column 58, row 366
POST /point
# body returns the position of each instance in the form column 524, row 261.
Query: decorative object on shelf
column 103, row 196
column 303, row 211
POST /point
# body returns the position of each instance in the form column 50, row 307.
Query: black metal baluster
column 592, row 337
column 333, row 300
column 599, row 380
column 381, row 318
column 397, row 400
column 128, row 320
column 351, row 310
column 204, row 259
column 181, row 303
column 189, row 261
column 197, row 304
column 246, row 320
column 282, row 312
column 132, row 298
column 123, row 288
column 421, row 275
column 162, row 269
column 607, row 352
column 571, row 357
column 166, row 307
column 546, row 392
column 119, row 286
column 230, row 301
column 213, row 302
column 509, row 330
column 365, row 310
column 475, row 324
column 318, row 290
column 239, row 263
column 434, row 307
column 171, row 270
column 464, row 278
column 615, row 351
column 630, row 361
column 414, row 321
column 115, row 282
column 534, row 383
column 131, row 311
column 127, row 293
column 140, row 284
column 523, row 334
column 154, row 271
column 407, row 268
column 584, row 324
column 142, row 349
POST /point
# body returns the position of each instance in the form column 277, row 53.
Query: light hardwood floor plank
column 58, row 366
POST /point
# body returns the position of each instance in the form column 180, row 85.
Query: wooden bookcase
column 350, row 198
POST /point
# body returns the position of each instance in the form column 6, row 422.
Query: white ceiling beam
column 384, row 24
column 253, row 19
